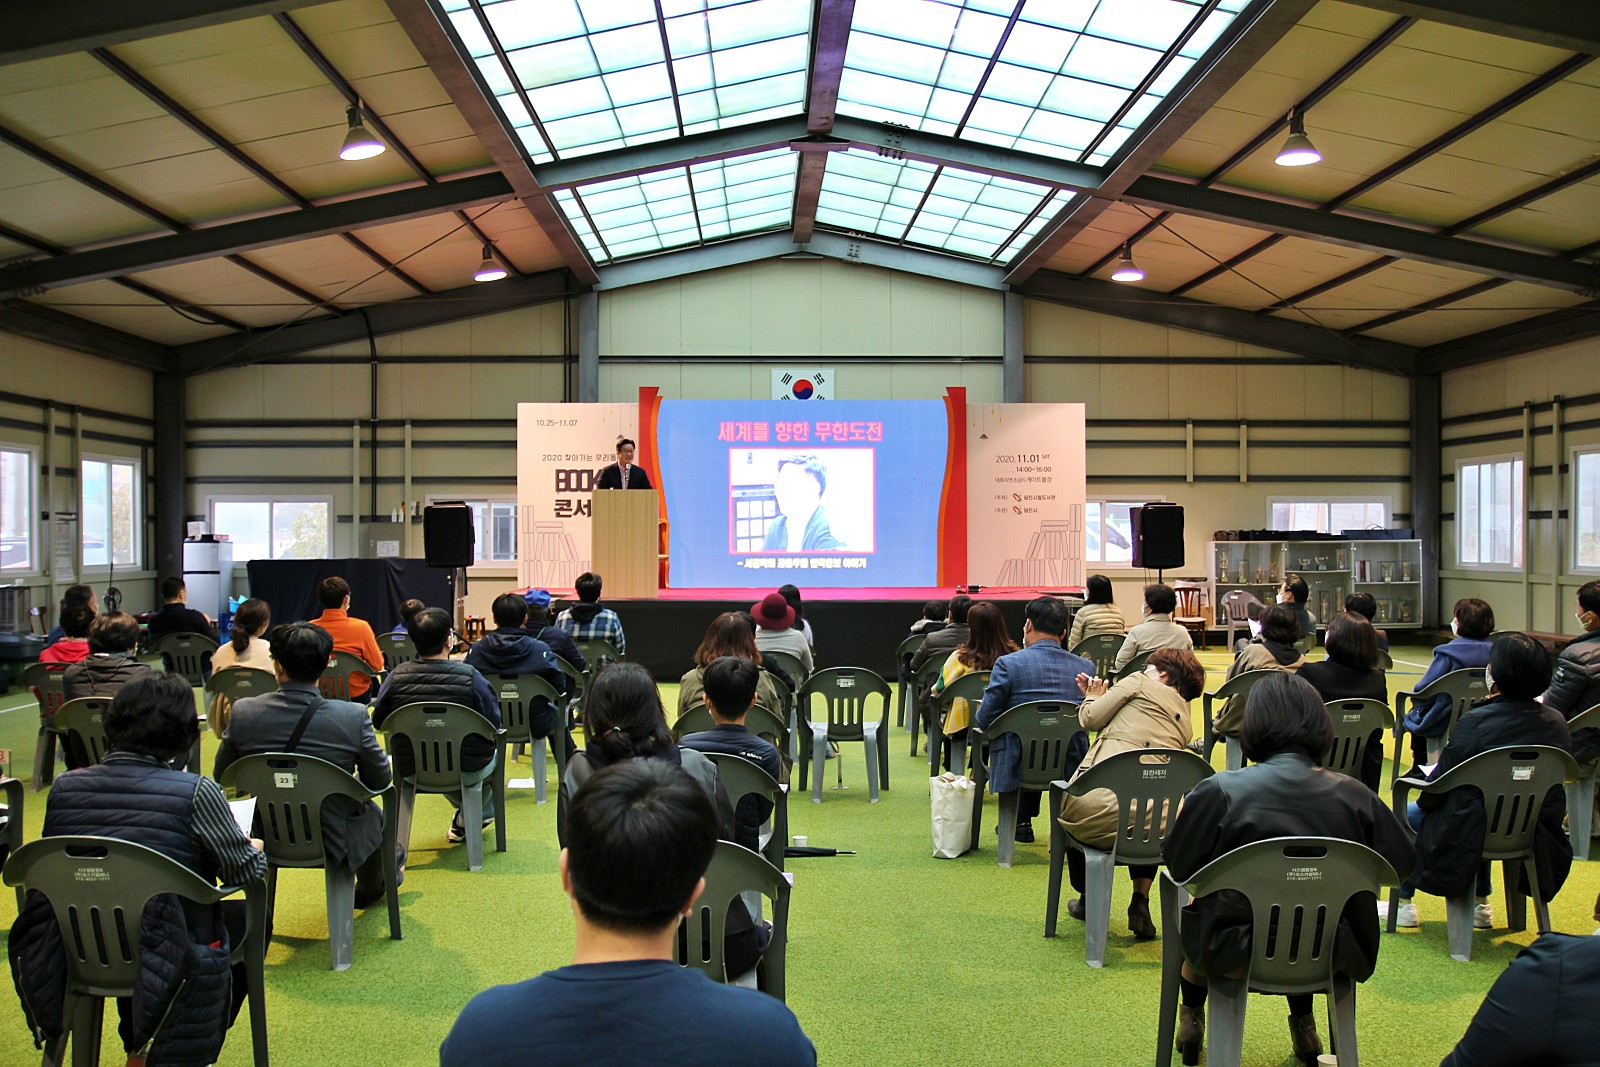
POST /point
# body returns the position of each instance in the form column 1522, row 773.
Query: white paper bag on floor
column 952, row 814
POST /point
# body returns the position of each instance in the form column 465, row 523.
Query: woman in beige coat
column 1149, row 709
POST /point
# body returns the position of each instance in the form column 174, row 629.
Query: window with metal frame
column 1586, row 509
column 110, row 520
column 1108, row 532
column 18, row 543
column 1489, row 512
column 1329, row 516
column 282, row 528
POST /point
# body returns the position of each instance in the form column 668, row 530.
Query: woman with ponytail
column 623, row 719
column 247, row 648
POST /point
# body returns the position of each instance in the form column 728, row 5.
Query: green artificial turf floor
column 894, row 957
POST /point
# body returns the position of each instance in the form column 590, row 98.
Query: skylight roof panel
column 999, row 116
column 579, row 97
column 907, row 20
column 1207, row 34
column 888, row 96
column 553, row 63
column 1063, row 14
column 533, row 144
column 740, row 24
column 630, row 46
column 1089, row 100
column 1064, row 130
column 1151, row 23
column 1017, row 85
column 761, row 60
column 978, row 33
column 519, row 23
column 776, row 94
column 601, row 15
column 584, row 130
column 1168, row 78
column 688, row 35
column 897, row 59
column 472, row 34
column 634, row 86
column 1110, row 62
column 641, row 120
column 1041, row 47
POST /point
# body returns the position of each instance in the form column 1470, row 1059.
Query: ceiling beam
column 1351, row 231
column 830, row 37
column 843, row 247
column 1577, row 323
column 455, row 70
column 1574, row 26
column 468, row 302
column 42, row 323
column 896, row 142
column 1132, row 302
column 1253, row 33
column 662, row 155
column 37, row 29
column 231, row 238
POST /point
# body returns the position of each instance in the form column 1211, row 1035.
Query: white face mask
column 1580, row 616
column 1488, row 680
column 1455, row 628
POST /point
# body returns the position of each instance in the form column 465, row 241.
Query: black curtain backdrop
column 377, row 587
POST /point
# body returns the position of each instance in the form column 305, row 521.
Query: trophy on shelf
column 1322, row 563
column 1383, row 611
column 1388, row 572
column 1339, row 555
column 1222, row 567
column 1258, row 574
column 1405, row 575
column 1405, row 609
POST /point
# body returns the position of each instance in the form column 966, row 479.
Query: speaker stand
column 458, row 597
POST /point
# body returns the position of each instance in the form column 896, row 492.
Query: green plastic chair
column 922, row 681
column 1580, row 794
column 741, row 778
column 1101, row 650
column 1465, row 688
column 845, row 692
column 81, row 722
column 1513, row 782
column 734, row 871
column 902, row 676
column 1297, row 888
column 1354, row 723
column 573, row 702
column 434, row 732
column 11, row 825
column 232, row 684
column 335, row 680
column 1045, row 728
column 188, row 655
column 516, row 694
column 1133, row 666
column 397, row 649
column 789, row 663
column 1237, row 686
column 758, row 720
column 1385, row 661
column 1149, row 784
column 597, row 651
column 290, row 791
column 45, row 681
column 98, row 888
column 968, row 687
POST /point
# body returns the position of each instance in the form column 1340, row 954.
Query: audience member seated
column 1575, row 687
column 139, row 795
column 728, row 635
column 730, row 692
column 1539, row 1012
column 176, row 616
column 791, row 596
column 246, row 646
column 434, row 676
column 933, row 616
column 1366, row 605
column 1147, row 709
column 588, row 619
column 1351, row 673
column 1471, row 622
column 540, row 628
column 1292, row 594
column 299, row 719
column 1450, row 827
column 1098, row 614
column 640, row 837
column 510, row 649
column 1275, row 651
column 1284, row 792
column 623, row 721
column 938, row 645
column 1157, row 630
column 76, row 595
column 408, row 611
column 74, row 644
column 1041, row 670
column 987, row 640
column 110, row 664
column 775, row 630
column 349, row 633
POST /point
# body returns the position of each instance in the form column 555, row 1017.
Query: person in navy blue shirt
column 640, row 835
column 730, row 693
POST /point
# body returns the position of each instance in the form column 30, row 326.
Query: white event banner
column 1025, row 495
column 561, row 449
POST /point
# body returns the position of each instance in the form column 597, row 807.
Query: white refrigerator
column 208, row 575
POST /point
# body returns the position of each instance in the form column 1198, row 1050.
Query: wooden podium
column 623, row 547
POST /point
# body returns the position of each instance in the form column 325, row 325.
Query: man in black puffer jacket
column 181, row 1007
column 510, row 649
column 1575, row 687
column 434, row 676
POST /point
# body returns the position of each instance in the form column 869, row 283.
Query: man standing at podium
column 623, row 474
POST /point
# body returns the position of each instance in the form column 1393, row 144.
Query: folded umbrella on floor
column 812, row 850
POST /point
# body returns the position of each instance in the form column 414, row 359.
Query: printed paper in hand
column 244, row 813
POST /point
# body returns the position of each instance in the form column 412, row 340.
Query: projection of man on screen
column 802, row 525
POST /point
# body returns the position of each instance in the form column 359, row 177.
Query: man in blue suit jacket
column 1041, row 670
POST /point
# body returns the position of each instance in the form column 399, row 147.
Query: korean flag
column 807, row 383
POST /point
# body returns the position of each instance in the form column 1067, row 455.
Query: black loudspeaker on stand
column 1158, row 537
column 447, row 541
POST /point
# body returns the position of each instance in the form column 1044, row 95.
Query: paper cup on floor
column 801, row 840
column 1328, row 1059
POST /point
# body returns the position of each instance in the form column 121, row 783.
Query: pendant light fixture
column 1127, row 270
column 491, row 269
column 1297, row 150
column 359, row 143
